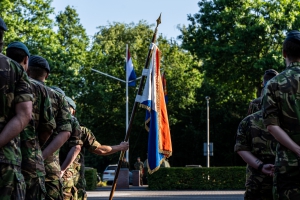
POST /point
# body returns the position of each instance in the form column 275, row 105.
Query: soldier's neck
column 288, row 61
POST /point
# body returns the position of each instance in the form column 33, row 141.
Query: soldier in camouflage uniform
column 43, row 122
column 257, row 147
column 281, row 113
column 90, row 143
column 67, row 155
column 15, row 114
column 139, row 165
column 39, row 70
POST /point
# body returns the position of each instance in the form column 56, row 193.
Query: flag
column 164, row 82
column 130, row 71
column 156, row 122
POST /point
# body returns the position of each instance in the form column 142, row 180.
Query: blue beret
column 57, row 89
column 293, row 36
column 2, row 25
column 71, row 102
column 38, row 61
column 19, row 45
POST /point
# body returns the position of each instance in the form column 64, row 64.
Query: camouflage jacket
column 14, row 88
column 63, row 123
column 253, row 136
column 90, row 143
column 281, row 107
column 75, row 139
column 43, row 121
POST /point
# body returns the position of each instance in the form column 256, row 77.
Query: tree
column 71, row 55
column 237, row 41
column 102, row 104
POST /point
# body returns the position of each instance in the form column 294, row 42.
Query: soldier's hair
column 1, row 39
column 16, row 54
column 291, row 49
column 37, row 72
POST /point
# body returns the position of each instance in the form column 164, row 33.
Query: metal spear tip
column 207, row 98
column 158, row 21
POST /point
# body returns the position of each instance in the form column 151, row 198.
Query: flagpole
column 135, row 106
column 127, row 99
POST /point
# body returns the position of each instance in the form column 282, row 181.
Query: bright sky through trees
column 94, row 13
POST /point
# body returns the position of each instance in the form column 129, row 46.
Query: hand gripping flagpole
column 135, row 106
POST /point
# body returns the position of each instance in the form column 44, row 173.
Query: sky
column 94, row 13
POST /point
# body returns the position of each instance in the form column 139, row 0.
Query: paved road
column 166, row 195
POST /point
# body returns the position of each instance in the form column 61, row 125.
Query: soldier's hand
column 124, row 146
column 268, row 169
column 61, row 174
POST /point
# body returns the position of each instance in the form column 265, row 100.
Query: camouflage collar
column 294, row 64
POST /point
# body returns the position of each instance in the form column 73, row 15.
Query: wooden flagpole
column 135, row 106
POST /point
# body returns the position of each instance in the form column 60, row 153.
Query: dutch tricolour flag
column 156, row 122
column 130, row 71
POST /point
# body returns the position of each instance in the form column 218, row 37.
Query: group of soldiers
column 268, row 139
column 41, row 142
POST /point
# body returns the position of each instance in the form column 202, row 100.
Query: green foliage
column 72, row 53
column 102, row 102
column 183, row 178
column 90, row 178
column 225, row 50
column 237, row 41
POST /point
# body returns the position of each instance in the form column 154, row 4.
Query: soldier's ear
column 284, row 54
column 25, row 63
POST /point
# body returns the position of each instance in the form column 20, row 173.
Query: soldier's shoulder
column 256, row 101
column 7, row 62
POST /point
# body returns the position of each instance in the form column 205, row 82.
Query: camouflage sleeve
column 47, row 121
column 243, row 137
column 63, row 118
column 75, row 138
column 23, row 91
column 269, row 106
column 89, row 140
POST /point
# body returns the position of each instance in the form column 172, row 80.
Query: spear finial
column 158, row 21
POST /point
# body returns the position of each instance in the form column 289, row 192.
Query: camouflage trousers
column 35, row 187
column 80, row 183
column 69, row 189
column 54, row 190
column 258, row 185
column 12, row 184
column 286, row 183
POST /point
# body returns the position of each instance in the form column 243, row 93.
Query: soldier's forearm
column 43, row 137
column 250, row 159
column 74, row 151
column 104, row 150
column 56, row 143
column 17, row 123
column 281, row 136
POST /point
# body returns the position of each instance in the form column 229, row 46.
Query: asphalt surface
column 142, row 193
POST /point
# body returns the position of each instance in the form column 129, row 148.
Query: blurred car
column 98, row 177
column 109, row 174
